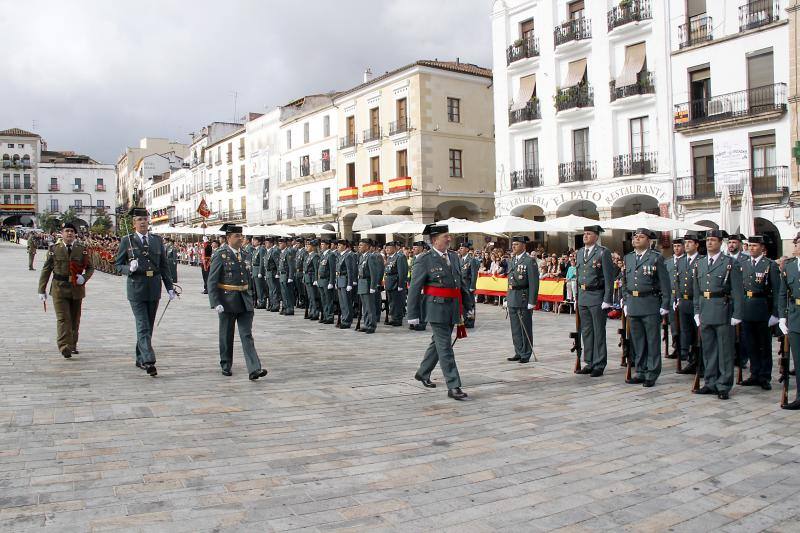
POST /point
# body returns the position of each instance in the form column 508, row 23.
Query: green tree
column 69, row 216
column 49, row 221
column 102, row 224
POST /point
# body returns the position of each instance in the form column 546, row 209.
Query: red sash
column 442, row 292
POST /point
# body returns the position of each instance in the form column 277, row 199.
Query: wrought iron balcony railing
column 522, row 48
column 763, row 181
column 645, row 84
column 399, row 126
column 695, row 32
column 526, row 179
column 529, row 112
column 577, row 171
column 635, row 164
column 758, row 13
column 573, row 30
column 632, row 11
column 741, row 104
column 574, row 97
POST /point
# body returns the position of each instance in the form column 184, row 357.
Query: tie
column 69, row 250
column 238, row 257
column 755, row 262
column 710, row 262
column 586, row 255
column 446, row 258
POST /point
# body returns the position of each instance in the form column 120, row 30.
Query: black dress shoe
column 585, row 370
column 258, row 374
column 75, row 351
column 344, row 327
column 648, row 383
column 457, row 394
column 636, row 380
column 523, row 361
column 673, row 355
column 227, row 373
column 750, row 382
column 766, row 385
column 723, row 396
column 368, row 330
column 596, row 373
column 794, row 406
column 151, row 369
column 67, row 353
column 139, row 365
column 515, row 358
column 425, row 382
column 289, row 314
column 704, row 390
column 690, row 369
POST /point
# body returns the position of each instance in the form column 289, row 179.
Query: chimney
column 368, row 75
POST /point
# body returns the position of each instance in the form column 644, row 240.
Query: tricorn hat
column 692, row 236
column 435, row 229
column 230, row 229
column 718, row 233
column 650, row 234
column 594, row 229
column 520, row 238
column 138, row 212
column 757, row 239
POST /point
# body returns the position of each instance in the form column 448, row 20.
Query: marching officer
column 259, row 278
column 647, row 294
column 417, row 249
column 395, row 282
column 523, row 291
column 678, row 257
column 789, row 313
column 761, row 280
column 469, row 270
column 326, row 278
column 230, row 295
column 368, row 280
column 310, row 273
column 346, row 281
column 142, row 257
column 68, row 262
column 595, row 279
column 685, row 301
column 270, row 269
column 32, row 244
column 436, row 284
column 286, row 273
column 718, row 296
column 172, row 259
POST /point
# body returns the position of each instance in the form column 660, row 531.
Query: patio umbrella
column 651, row 222
column 725, row 210
column 747, row 223
column 569, row 224
column 402, row 227
column 510, row 224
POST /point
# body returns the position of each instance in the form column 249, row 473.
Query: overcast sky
column 97, row 75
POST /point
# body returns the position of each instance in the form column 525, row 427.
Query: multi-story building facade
column 72, row 181
column 262, row 169
column 730, row 68
column 793, row 12
column 130, row 188
column 306, row 192
column 416, row 142
column 568, row 140
column 19, row 161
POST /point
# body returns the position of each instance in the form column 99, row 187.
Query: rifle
column 628, row 357
column 783, row 355
column 678, row 365
column 665, row 333
column 337, row 307
column 698, row 362
column 624, row 341
column 358, row 312
column 576, row 338
column 386, row 306
column 738, row 354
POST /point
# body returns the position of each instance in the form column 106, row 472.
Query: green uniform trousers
column 68, row 320
column 440, row 351
column 718, row 354
column 227, row 324
column 521, row 331
column 646, row 345
column 593, row 334
column 145, row 315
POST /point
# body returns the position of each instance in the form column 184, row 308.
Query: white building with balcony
column 306, row 192
column 582, row 110
column 130, row 187
column 19, row 160
column 730, row 69
column 262, row 167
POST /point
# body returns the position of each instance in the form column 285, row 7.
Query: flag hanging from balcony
column 203, row 209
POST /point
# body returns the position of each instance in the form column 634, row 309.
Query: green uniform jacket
column 368, row 274
column 684, row 279
column 286, row 264
column 431, row 269
column 396, row 272
column 761, row 284
column 57, row 263
column 346, row 270
column 723, row 281
column 789, row 294
column 326, row 273
column 311, row 268
column 144, row 287
column 647, row 277
column 595, row 276
column 523, row 281
column 227, row 270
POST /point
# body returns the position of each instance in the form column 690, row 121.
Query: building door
column 703, row 170
column 763, row 164
column 699, row 92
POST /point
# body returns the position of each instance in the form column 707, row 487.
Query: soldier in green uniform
column 259, row 276
column 346, row 282
column 789, row 313
column 230, row 294
column 300, row 253
column 68, row 263
column 395, row 283
column 270, row 270
column 32, row 244
column 326, row 278
column 685, row 301
column 672, row 265
column 647, row 294
column 376, row 258
column 310, row 273
column 172, row 259
column 469, row 271
column 735, row 247
column 718, row 296
column 761, row 280
column 595, row 284
column 368, row 281
column 142, row 258
column 523, row 292
column 417, row 249
column 286, row 273
column 436, row 284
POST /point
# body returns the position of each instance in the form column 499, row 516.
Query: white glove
column 781, row 324
column 219, row 309
column 675, row 305
column 330, row 286
column 505, row 304
column 625, row 309
column 697, row 320
column 399, row 289
column 315, row 284
column 348, row 288
column 773, row 320
column 134, row 265
column 43, row 297
column 277, row 276
column 605, row 306
column 664, row 312
column 372, row 291
column 259, row 275
column 413, row 321
column 530, row 307
column 290, row 280
column 79, row 279
column 171, row 294
column 472, row 290
column 735, row 321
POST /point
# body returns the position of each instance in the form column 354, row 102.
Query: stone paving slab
column 339, row 437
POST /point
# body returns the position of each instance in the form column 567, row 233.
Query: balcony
column 758, row 13
column 633, row 11
column 229, row 185
column 732, row 109
column 53, row 187
column 77, row 188
column 100, row 187
column 241, row 153
column 77, row 208
column 210, row 163
column 573, row 30
column 209, row 187
column 230, row 216
column 645, row 84
column 242, row 182
column 372, row 134
column 17, row 208
column 695, row 32
column 767, row 184
column 526, row 179
column 521, row 49
column 348, row 141
column 6, row 163
column 577, row 171
column 574, row 97
column 527, row 113
column 348, row 193
column 218, row 186
column 399, row 126
column 306, row 211
column 400, row 184
column 371, row 190
column 230, row 157
column 26, row 163
column 635, row 164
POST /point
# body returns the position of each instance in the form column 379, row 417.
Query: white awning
column 575, row 73
column 527, row 85
column 634, row 62
column 365, row 222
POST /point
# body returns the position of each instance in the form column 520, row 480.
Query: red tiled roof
column 16, row 132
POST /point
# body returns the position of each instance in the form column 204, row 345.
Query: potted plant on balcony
column 519, row 42
column 625, row 4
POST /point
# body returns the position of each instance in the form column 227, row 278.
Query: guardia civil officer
column 417, row 249
column 230, row 295
column 286, row 273
column 595, row 280
column 310, row 273
column 523, row 291
column 469, row 270
column 258, row 257
column 789, row 312
column 270, row 269
column 395, row 282
column 672, row 265
column 142, row 258
column 326, row 278
column 172, row 259
column 368, row 281
column 685, row 301
column 346, row 282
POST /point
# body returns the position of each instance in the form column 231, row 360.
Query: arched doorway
column 771, row 236
column 19, row 220
column 346, row 225
column 457, row 209
column 532, row 212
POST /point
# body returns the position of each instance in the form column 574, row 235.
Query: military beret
column 646, row 232
column 717, row 233
column 594, row 229
column 520, row 238
column 435, row 229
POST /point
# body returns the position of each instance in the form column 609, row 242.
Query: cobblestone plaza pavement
column 339, row 436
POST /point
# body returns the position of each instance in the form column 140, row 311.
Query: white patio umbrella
column 725, row 215
column 310, row 229
column 461, row 225
column 651, row 222
column 510, row 224
column 569, row 223
column 403, row 227
column 747, row 223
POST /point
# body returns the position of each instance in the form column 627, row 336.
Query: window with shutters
column 699, row 91
column 375, row 169
column 640, row 135
column 326, row 200
column 703, row 169
column 526, row 29
column 351, row 174
column 326, row 126
column 531, row 148
column 288, row 139
column 402, row 163
column 760, row 80
column 455, row 164
column 580, row 145
column 763, row 162
column 576, row 10
column 306, row 132
column 453, row 109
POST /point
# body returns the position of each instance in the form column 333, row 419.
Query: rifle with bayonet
column 783, row 358
column 576, row 337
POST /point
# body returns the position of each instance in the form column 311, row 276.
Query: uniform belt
column 752, row 294
column 241, row 288
column 585, row 287
column 687, row 296
column 59, row 277
column 519, row 287
column 640, row 294
column 797, row 301
column 714, row 294
column 445, row 292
